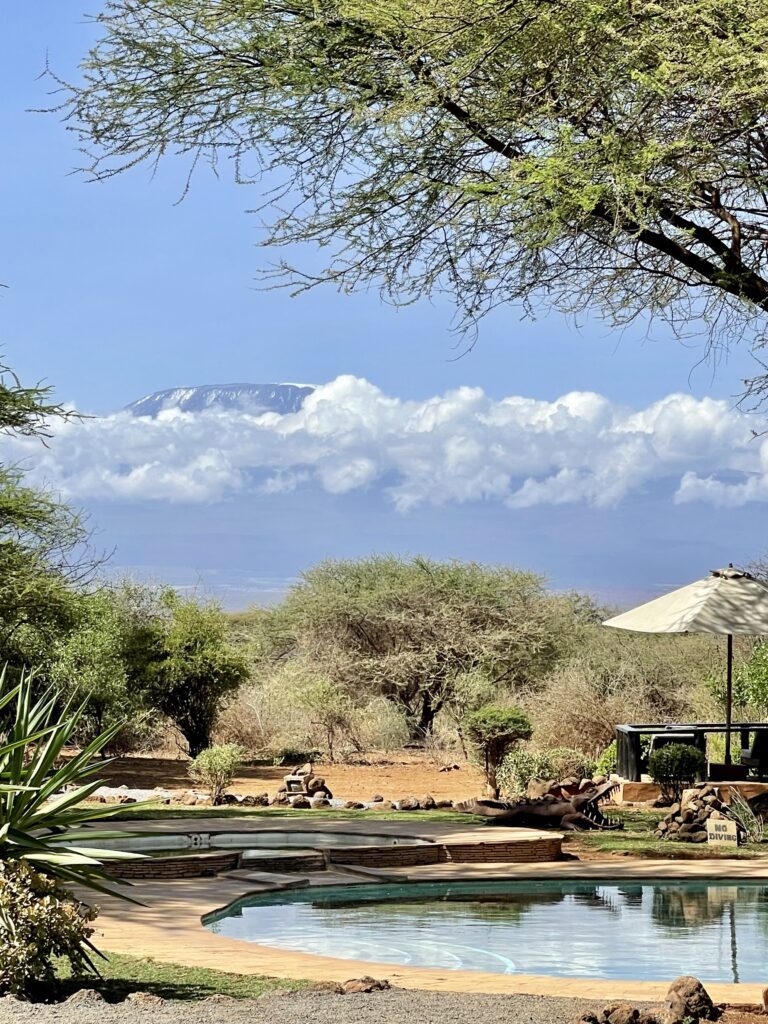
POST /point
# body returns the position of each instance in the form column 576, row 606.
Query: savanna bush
column 521, row 766
column 215, row 768
column 494, row 730
column 674, row 767
column 619, row 677
column 608, row 760
column 39, row 922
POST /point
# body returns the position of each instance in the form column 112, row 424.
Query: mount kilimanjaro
column 256, row 398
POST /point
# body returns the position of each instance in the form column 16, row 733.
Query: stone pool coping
column 440, row 843
column 169, row 926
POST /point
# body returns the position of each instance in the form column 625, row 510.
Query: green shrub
column 39, row 921
column 522, row 766
column 494, row 730
column 568, row 763
column 215, row 767
column 608, row 760
column 42, row 792
column 519, row 767
column 674, row 767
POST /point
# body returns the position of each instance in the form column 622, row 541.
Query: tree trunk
column 427, row 716
column 198, row 739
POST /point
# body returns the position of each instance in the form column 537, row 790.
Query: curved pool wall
column 267, row 839
column 194, row 854
column 638, row 929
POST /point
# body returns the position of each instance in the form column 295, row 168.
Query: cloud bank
column 458, row 447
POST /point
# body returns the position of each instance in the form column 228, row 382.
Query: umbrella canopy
column 728, row 602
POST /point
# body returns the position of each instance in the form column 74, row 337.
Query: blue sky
column 115, row 290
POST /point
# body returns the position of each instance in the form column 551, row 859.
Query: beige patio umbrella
column 728, row 602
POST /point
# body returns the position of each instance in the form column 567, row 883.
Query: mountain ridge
column 282, row 398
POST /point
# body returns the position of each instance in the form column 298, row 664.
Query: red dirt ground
column 392, row 776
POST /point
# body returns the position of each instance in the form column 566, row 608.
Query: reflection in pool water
column 643, row 930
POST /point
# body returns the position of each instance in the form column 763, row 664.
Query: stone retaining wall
column 546, row 848
column 206, row 864
column 387, row 856
column 196, row 866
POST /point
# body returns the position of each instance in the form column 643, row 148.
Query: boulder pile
column 421, row 803
column 301, row 788
column 687, row 1001
column 538, row 788
column 686, row 821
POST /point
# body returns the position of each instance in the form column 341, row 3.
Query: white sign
column 722, row 830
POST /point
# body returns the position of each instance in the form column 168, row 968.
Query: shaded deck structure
column 753, row 739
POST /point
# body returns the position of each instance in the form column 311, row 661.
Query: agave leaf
column 72, row 859
column 92, row 851
column 40, row 823
column 51, row 810
column 98, row 834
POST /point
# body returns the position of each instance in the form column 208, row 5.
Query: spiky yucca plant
column 43, row 814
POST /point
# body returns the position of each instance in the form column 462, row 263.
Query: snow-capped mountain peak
column 279, row 398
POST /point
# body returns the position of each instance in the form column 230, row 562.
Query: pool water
column 639, row 930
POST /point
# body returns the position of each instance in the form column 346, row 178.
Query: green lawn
column 637, row 840
column 159, row 812
column 124, row 974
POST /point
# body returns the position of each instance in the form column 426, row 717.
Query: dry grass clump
column 621, row 677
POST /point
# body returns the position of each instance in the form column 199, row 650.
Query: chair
column 756, row 757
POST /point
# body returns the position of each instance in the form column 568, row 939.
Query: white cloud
column 457, row 447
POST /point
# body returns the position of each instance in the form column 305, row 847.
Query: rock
column 620, row 1013
column 85, row 997
column 144, row 999
column 320, row 802
column 765, row 1000
column 427, row 802
column 258, row 800
column 444, row 805
column 674, row 809
column 364, row 984
column 687, row 998
column 385, row 805
column 662, row 826
column 688, row 815
column 377, row 798
column 538, row 788
column 699, row 837
column 300, row 803
column 219, row 997
column 409, row 803
column 354, row 805
column 315, row 783
column 599, row 780
column 653, row 1015
column 585, row 1018
column 329, row 987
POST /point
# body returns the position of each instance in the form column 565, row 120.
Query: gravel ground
column 393, row 1007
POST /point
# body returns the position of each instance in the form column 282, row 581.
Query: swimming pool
column 601, row 929
column 264, row 839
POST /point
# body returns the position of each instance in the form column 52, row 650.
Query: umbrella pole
column 728, row 700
